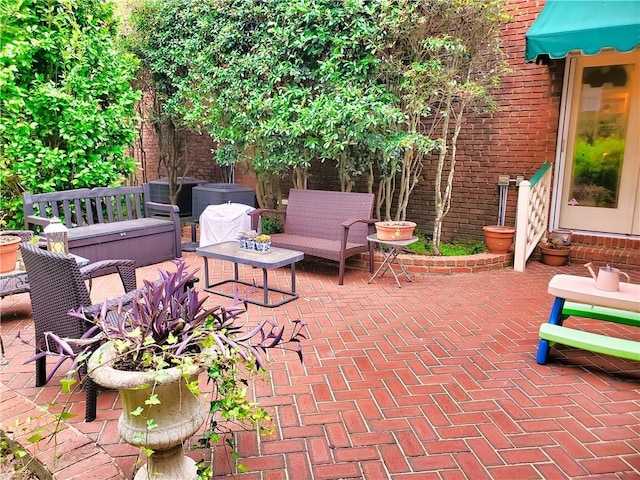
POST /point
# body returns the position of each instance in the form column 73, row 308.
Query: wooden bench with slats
column 110, row 222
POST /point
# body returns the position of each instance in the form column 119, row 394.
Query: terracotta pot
column 395, row 230
column 555, row 256
column 179, row 414
column 498, row 238
column 9, row 245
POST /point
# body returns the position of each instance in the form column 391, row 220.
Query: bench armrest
column 255, row 215
column 31, row 220
column 162, row 209
column 352, row 221
column 112, row 304
column 155, row 207
column 369, row 221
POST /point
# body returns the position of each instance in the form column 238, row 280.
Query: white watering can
column 608, row 278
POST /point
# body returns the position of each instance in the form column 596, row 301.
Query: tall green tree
column 156, row 32
column 375, row 87
column 278, row 83
column 67, row 105
column 443, row 59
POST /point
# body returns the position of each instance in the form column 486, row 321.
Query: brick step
column 623, row 253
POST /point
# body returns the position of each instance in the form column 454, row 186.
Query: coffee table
column 231, row 252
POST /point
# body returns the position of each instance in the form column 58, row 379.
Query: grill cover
column 222, row 223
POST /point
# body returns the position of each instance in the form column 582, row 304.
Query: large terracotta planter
column 179, row 414
column 9, row 245
column 395, row 230
column 556, row 255
column 498, row 238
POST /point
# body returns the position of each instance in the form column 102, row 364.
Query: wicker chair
column 57, row 285
column 20, row 283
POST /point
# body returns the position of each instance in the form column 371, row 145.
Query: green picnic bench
column 577, row 296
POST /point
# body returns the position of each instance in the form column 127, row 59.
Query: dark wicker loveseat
column 110, row 222
column 330, row 225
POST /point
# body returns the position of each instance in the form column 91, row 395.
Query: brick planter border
column 424, row 264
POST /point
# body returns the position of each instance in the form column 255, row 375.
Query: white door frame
column 561, row 142
column 566, row 101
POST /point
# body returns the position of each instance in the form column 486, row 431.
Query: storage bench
column 110, row 222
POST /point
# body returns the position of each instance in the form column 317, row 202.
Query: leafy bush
column 66, row 100
column 284, row 83
column 597, row 170
column 271, row 225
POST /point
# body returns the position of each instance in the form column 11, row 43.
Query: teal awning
column 584, row 25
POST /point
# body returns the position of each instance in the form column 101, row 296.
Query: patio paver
column 434, row 380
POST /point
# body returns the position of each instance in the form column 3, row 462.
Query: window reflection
column 601, row 135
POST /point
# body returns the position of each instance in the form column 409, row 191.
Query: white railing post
column 522, row 225
column 532, row 215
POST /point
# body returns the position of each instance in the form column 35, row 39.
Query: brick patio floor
column 434, row 380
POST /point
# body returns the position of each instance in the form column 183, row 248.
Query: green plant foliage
column 167, row 325
column 443, row 60
column 372, row 86
column 66, row 100
column 424, row 247
column 597, row 170
column 271, row 225
column 281, row 82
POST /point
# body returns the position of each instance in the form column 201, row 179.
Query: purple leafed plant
column 167, row 322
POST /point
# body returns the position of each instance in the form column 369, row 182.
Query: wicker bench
column 107, row 223
column 329, row 225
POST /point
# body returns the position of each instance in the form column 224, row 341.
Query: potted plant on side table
column 153, row 353
column 9, row 245
column 263, row 243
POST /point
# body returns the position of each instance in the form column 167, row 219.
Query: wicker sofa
column 329, row 225
column 110, row 222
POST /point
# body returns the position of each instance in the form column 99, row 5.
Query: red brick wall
column 198, row 150
column 516, row 139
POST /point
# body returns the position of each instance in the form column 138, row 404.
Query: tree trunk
column 443, row 200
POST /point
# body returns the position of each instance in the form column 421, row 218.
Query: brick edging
column 441, row 265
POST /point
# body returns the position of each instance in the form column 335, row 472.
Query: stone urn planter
column 555, row 255
column 498, row 238
column 9, row 245
column 178, row 415
column 395, row 230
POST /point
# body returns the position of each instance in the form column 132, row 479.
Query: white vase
column 179, row 414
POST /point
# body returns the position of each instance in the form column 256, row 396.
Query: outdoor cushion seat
column 127, row 227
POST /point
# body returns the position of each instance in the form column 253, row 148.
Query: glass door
column 602, row 161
